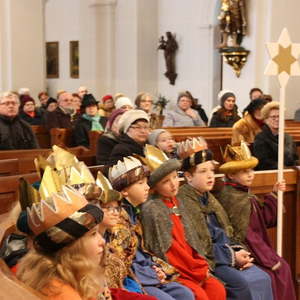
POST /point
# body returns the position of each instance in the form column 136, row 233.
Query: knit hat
column 126, row 172
column 113, row 116
column 265, row 111
column 159, row 164
column 123, row 101
column 237, row 158
column 25, row 98
column 88, row 100
column 131, row 116
column 153, row 136
column 223, row 95
column 50, row 100
column 24, row 91
column 107, row 97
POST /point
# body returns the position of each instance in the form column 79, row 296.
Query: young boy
column 156, row 277
column 168, row 232
column 250, row 218
column 233, row 264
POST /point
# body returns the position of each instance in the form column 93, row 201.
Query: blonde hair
column 10, row 95
column 265, row 111
column 69, row 265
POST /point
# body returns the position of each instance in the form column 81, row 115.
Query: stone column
column 22, row 49
column 104, row 13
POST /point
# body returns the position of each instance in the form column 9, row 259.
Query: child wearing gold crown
column 156, row 277
column 64, row 263
column 251, row 218
column 232, row 263
column 169, row 233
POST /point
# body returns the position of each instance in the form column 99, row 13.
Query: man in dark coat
column 64, row 115
column 134, row 129
column 14, row 132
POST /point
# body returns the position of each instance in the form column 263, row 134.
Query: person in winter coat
column 265, row 146
column 134, row 129
column 29, row 113
column 88, row 121
column 183, row 115
column 15, row 133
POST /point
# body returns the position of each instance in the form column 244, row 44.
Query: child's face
column 243, row 177
column 203, row 178
column 168, row 186
column 94, row 245
column 137, row 193
column 165, row 142
column 111, row 214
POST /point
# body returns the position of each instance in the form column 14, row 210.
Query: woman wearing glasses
column 134, row 129
column 265, row 147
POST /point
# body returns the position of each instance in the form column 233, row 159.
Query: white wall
column 22, row 51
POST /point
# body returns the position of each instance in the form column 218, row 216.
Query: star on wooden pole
column 283, row 64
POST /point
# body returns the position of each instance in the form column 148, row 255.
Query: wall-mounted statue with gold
column 233, row 27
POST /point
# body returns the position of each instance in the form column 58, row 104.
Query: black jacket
column 81, row 131
column 16, row 134
column 36, row 120
column 265, row 149
column 58, row 119
column 126, row 147
column 106, row 143
column 221, row 119
column 201, row 113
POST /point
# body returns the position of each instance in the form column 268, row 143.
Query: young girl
column 233, row 264
column 64, row 263
column 168, row 232
column 250, row 218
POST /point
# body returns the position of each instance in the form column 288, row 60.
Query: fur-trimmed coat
column 245, row 130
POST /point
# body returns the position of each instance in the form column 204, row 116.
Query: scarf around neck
column 95, row 122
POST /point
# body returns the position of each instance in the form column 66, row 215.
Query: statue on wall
column 232, row 22
column 233, row 25
column 170, row 48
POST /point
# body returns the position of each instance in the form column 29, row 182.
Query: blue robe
column 142, row 267
column 250, row 284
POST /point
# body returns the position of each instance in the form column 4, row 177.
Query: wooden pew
column 61, row 137
column 42, row 135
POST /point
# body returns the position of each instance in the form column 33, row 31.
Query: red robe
column 191, row 266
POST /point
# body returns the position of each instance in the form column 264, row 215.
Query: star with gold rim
column 284, row 58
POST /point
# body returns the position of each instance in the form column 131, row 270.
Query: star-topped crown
column 126, row 172
column 54, row 209
column 190, row 146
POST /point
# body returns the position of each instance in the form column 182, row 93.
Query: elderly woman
column 109, row 139
column 265, row 146
column 89, row 120
column 227, row 114
column 250, row 125
column 183, row 115
column 28, row 111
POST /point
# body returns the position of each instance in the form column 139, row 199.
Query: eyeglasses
column 274, row 117
column 112, row 209
column 141, row 127
column 7, row 103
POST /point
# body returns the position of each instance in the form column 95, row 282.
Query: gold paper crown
column 154, row 157
column 108, row 193
column 237, row 158
column 80, row 174
column 190, row 146
column 59, row 206
column 27, row 194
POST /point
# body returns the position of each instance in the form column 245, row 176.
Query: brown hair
column 185, row 94
column 141, row 96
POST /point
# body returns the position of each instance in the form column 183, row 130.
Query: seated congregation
column 153, row 223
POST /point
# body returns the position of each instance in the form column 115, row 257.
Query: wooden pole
column 280, row 170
